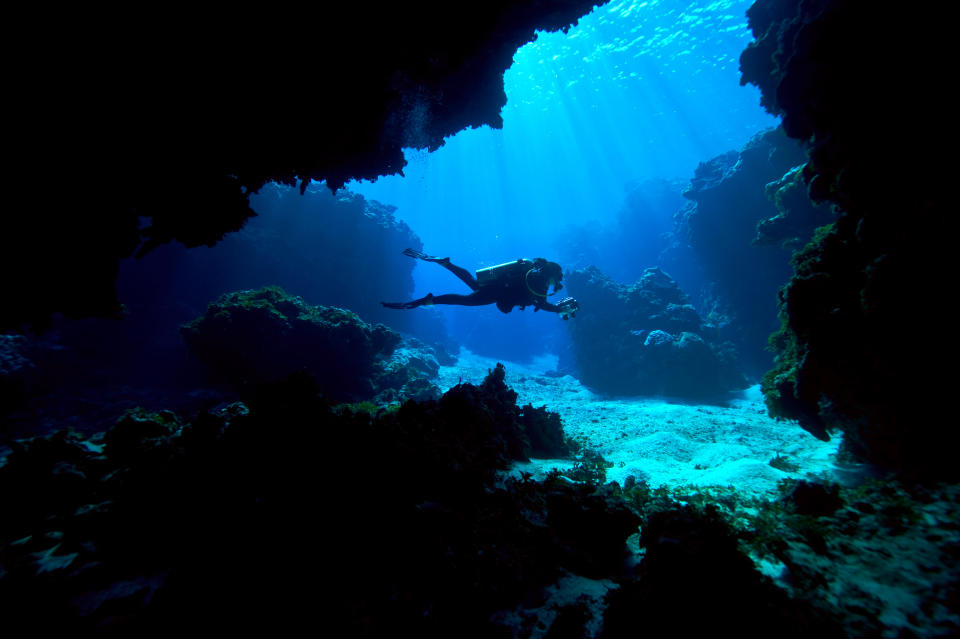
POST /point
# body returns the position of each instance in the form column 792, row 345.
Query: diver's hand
column 568, row 307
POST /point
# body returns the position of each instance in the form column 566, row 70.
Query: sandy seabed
column 663, row 440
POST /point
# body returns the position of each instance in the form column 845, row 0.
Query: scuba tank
column 504, row 273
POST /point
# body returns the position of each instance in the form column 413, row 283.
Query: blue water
column 637, row 90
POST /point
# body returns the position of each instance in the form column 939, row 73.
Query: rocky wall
column 715, row 249
column 864, row 90
column 138, row 129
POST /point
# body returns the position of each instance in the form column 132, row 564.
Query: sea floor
column 663, row 441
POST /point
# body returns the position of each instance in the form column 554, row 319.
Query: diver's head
column 551, row 272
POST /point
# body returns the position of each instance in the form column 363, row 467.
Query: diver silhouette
column 520, row 283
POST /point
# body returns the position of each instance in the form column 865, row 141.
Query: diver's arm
column 567, row 307
column 545, row 306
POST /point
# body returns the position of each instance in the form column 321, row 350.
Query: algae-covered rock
column 797, row 215
column 253, row 337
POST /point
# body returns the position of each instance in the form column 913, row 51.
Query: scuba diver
column 521, row 283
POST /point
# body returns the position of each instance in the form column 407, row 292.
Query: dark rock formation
column 738, row 279
column 251, row 338
column 645, row 339
column 175, row 118
column 16, row 371
column 694, row 581
column 875, row 150
column 261, row 507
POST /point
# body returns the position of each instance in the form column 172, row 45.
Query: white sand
column 659, row 440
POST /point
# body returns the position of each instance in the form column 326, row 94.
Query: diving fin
column 423, row 256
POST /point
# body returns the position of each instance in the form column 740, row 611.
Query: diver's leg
column 462, row 274
column 477, row 298
column 473, row 299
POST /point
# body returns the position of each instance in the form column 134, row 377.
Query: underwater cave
column 515, row 319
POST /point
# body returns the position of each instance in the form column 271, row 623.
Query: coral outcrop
column 250, row 338
column 175, row 138
column 646, row 339
column 875, row 153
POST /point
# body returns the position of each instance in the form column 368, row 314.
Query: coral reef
column 180, row 136
column 883, row 557
column 261, row 506
column 875, row 154
column 646, row 339
column 406, row 373
column 249, row 338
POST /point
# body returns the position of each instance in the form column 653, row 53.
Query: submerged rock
column 646, row 339
column 249, row 338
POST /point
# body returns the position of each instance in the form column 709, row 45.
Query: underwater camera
column 568, row 307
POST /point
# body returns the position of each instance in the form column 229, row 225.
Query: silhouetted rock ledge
column 168, row 142
column 247, row 514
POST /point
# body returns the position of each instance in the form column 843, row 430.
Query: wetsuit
column 522, row 285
